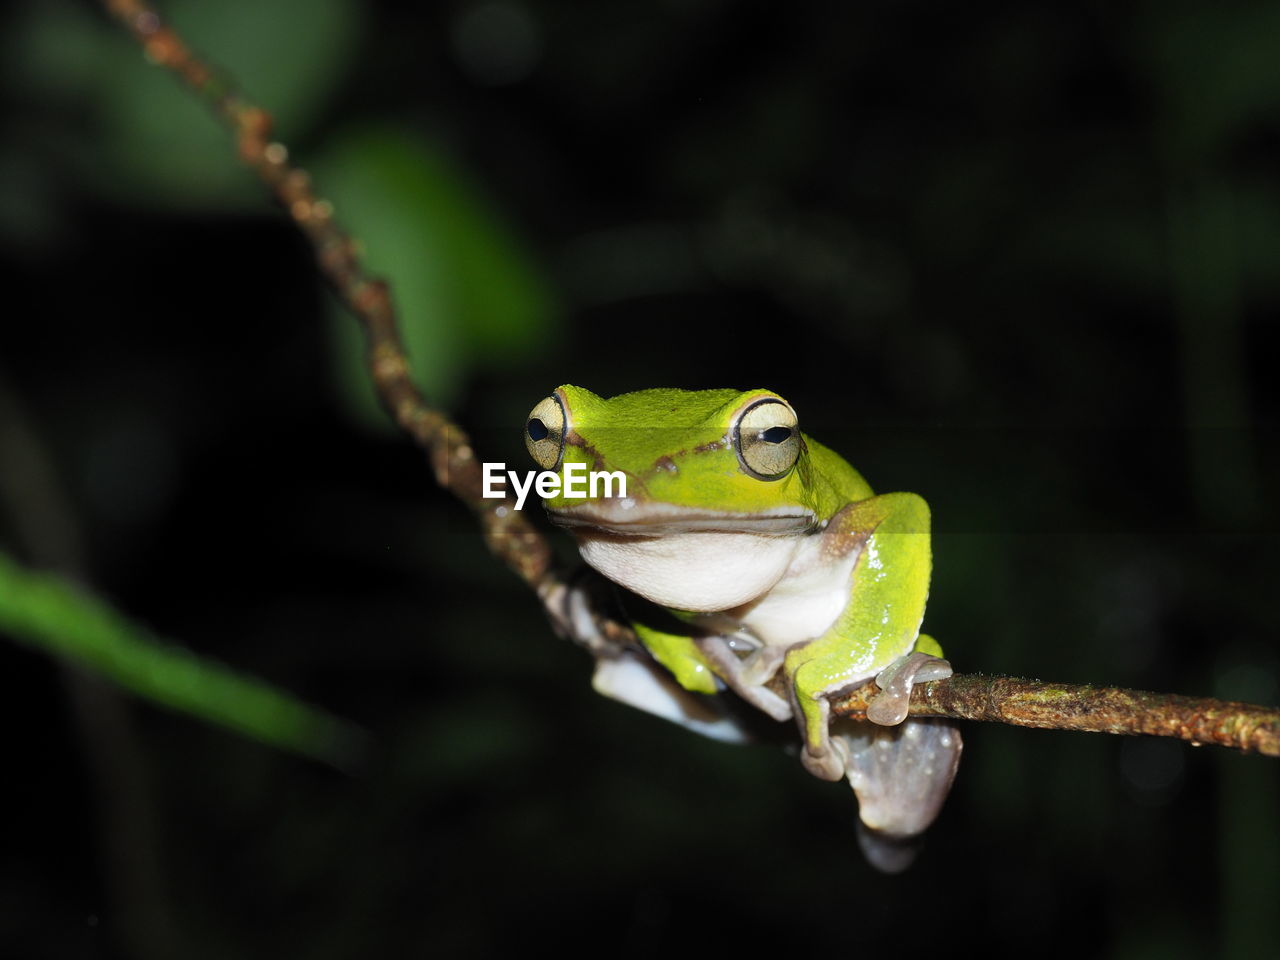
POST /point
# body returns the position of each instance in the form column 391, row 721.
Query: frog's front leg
column 746, row 677
column 701, row 663
column 887, row 709
column 879, row 624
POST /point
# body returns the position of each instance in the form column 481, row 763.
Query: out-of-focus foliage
column 465, row 288
column 468, row 292
column 65, row 621
column 153, row 143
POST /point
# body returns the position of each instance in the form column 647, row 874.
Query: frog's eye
column 544, row 433
column 767, row 438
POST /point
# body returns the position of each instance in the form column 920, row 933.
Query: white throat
column 701, row 571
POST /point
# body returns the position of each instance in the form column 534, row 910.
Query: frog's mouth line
column 653, row 520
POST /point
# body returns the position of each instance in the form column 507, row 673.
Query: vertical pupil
column 538, row 430
column 776, row 435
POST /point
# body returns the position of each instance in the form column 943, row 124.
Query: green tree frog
column 786, row 581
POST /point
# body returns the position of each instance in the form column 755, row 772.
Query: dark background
column 1021, row 258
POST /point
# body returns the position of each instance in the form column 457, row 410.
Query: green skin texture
column 675, row 448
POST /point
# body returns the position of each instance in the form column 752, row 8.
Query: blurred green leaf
column 65, row 621
column 158, row 143
column 467, row 292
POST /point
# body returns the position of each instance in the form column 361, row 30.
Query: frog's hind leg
column 747, row 677
column 633, row 678
column 901, row 775
column 706, row 664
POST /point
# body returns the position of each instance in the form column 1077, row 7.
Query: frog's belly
column 701, row 571
column 805, row 602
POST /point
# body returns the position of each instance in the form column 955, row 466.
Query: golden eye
column 544, row 433
column 767, row 438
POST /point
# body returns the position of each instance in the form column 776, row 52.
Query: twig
column 1058, row 706
column 513, row 539
column 525, row 550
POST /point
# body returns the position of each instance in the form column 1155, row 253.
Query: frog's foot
column 823, row 756
column 759, row 662
column 887, row 853
column 747, row 677
column 889, row 707
column 827, row 763
column 635, row 679
column 902, row 775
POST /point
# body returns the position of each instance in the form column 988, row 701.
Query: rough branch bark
column 1058, row 706
column 525, row 550
column 449, row 449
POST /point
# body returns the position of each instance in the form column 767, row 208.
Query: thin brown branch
column 525, row 550
column 512, row 538
column 1059, row 706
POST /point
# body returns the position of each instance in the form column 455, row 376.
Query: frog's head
column 714, row 478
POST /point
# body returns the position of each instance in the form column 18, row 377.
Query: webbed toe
column 889, row 707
